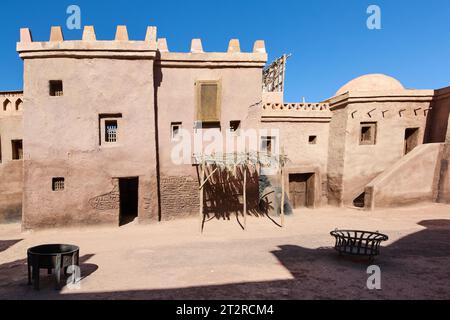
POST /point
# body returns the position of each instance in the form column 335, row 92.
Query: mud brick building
column 90, row 138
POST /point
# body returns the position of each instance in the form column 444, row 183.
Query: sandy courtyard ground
column 171, row 260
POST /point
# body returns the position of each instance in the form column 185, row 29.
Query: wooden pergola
column 231, row 162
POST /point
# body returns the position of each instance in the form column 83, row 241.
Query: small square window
column 111, row 128
column 17, row 149
column 56, row 88
column 58, row 184
column 368, row 133
column 175, row 129
column 207, row 125
column 312, row 139
column 267, row 145
column 235, row 126
column 108, row 124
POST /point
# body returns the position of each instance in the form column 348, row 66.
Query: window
column 6, row 105
column 235, row 126
column 268, row 145
column 19, row 104
column 312, row 139
column 109, row 132
column 58, row 184
column 56, row 88
column 111, row 128
column 208, row 101
column 411, row 139
column 368, row 133
column 207, row 125
column 175, row 129
column 17, row 149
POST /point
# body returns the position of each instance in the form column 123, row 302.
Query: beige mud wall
column 295, row 126
column 413, row 179
column 62, row 139
column 444, row 178
column 176, row 102
column 336, row 152
column 11, row 171
column 352, row 165
column 362, row 163
column 439, row 124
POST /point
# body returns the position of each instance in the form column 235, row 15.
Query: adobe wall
column 438, row 125
column 176, row 75
column 336, row 152
column 444, row 175
column 413, row 179
column 296, row 122
column 356, row 165
column 62, row 136
column 11, row 184
column 365, row 162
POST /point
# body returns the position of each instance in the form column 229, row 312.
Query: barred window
column 58, row 184
column 56, row 88
column 111, row 130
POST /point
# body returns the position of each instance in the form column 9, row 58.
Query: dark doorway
column 359, row 202
column 301, row 190
column 411, row 139
column 129, row 195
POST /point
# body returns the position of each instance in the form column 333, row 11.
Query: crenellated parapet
column 11, row 103
column 297, row 106
column 151, row 47
column 314, row 112
column 88, row 46
column 198, row 57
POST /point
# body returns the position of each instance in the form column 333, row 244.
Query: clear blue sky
column 328, row 39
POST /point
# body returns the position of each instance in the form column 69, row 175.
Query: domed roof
column 371, row 82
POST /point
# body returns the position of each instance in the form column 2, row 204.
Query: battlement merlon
column 151, row 47
column 89, row 46
column 198, row 57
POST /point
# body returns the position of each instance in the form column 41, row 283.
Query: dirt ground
column 172, row 260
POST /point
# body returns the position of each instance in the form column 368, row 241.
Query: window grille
column 58, row 184
column 111, row 131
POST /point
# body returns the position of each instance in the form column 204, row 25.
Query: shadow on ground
column 14, row 280
column 6, row 244
column 414, row 267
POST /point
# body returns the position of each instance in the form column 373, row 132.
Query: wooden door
column 298, row 190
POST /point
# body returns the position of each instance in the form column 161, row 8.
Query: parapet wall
column 316, row 112
column 11, row 103
column 123, row 47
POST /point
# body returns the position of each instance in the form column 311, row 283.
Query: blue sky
column 328, row 39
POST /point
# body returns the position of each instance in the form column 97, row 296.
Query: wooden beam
column 245, row 190
column 202, row 176
column 206, row 180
